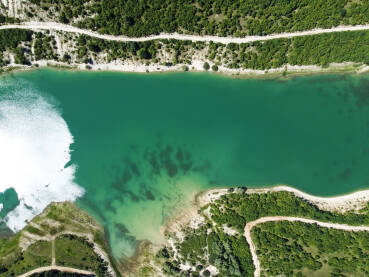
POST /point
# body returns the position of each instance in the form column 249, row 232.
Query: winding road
column 252, row 224
column 195, row 38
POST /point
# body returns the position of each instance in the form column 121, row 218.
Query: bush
column 206, row 66
column 206, row 273
column 214, row 67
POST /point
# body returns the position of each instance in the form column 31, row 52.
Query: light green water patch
column 146, row 144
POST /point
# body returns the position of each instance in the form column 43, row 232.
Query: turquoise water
column 145, row 144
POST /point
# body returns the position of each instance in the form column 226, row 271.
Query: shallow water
column 145, row 144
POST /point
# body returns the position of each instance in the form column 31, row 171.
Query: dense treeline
column 57, row 273
column 307, row 50
column 240, row 208
column 328, row 48
column 216, row 17
column 286, row 248
column 11, row 40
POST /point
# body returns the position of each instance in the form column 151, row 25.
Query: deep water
column 145, row 144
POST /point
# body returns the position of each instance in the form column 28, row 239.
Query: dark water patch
column 146, row 192
column 359, row 89
column 346, row 174
column 108, row 205
column 203, row 168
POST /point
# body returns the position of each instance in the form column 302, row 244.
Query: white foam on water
column 34, row 150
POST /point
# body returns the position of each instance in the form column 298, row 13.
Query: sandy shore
column 352, row 201
column 196, row 66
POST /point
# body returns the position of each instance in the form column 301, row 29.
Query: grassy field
column 16, row 262
column 31, row 247
column 77, row 252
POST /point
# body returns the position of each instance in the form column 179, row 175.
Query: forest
column 240, row 208
column 309, row 248
column 214, row 17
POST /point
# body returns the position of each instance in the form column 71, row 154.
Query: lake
column 142, row 145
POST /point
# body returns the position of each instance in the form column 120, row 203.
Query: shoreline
column 350, row 201
column 190, row 216
column 286, row 71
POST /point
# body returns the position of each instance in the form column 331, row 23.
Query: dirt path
column 53, row 252
column 224, row 40
column 252, row 224
column 60, row 268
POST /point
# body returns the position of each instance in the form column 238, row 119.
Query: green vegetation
column 11, row 40
column 70, row 250
column 299, row 249
column 307, row 50
column 78, row 252
column 44, row 47
column 294, row 248
column 200, row 249
column 215, row 17
column 56, row 273
column 4, row 19
column 236, row 209
column 14, row 261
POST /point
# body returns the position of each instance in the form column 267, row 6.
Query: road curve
column 224, row 40
column 252, row 224
column 60, row 268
